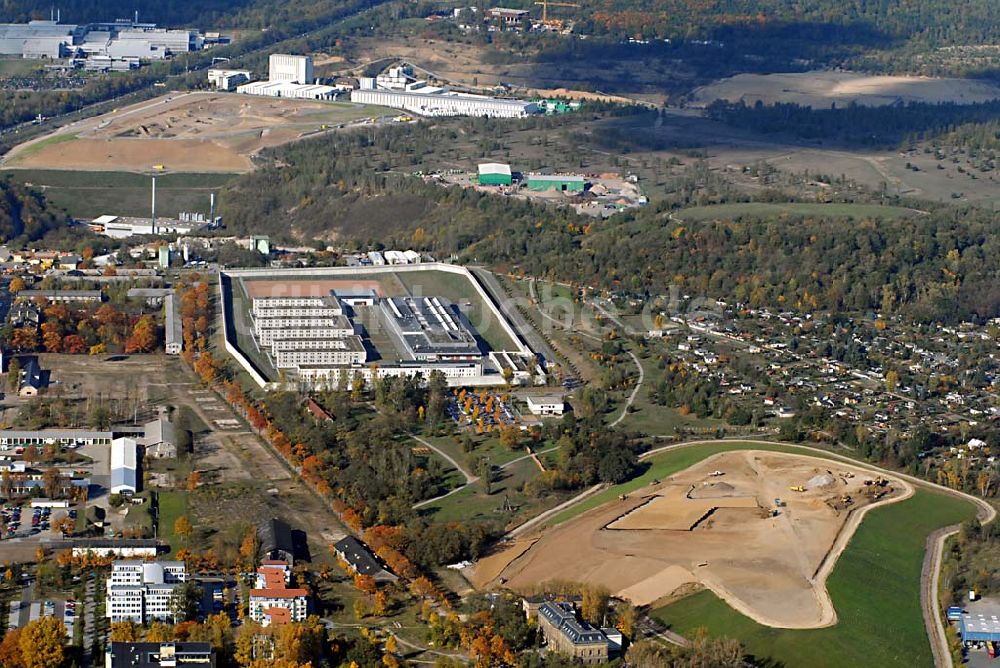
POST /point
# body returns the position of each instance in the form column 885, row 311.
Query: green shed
column 562, row 182
column 494, row 174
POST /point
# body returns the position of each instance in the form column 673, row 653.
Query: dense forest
column 855, row 124
column 24, row 216
column 939, row 265
column 930, row 22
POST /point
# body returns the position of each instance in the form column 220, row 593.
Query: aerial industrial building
column 121, row 227
column 321, row 331
column 430, row 329
column 124, row 466
column 495, row 174
column 38, row 39
column 560, row 182
column 397, row 87
column 295, row 69
column 228, row 79
column 290, row 77
column 433, row 101
column 119, row 41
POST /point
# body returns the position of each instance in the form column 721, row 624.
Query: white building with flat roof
column 546, row 404
column 228, row 79
column 142, row 591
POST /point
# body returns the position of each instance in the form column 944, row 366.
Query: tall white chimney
column 153, row 207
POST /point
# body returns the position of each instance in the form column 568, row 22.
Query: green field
column 768, row 210
column 656, row 420
column 90, row 194
column 473, row 504
column 172, row 506
column 18, row 67
column 875, row 588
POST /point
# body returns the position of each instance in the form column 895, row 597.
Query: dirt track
column 773, row 569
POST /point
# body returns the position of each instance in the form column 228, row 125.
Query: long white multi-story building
column 142, row 591
column 442, row 102
column 338, row 352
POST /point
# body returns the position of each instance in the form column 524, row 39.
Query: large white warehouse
column 445, row 103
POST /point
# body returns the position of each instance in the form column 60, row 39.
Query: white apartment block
column 142, row 591
column 291, row 359
column 267, row 337
column 304, row 322
column 268, row 306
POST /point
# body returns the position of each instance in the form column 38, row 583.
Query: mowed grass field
column 172, row 506
column 768, row 210
column 875, row 588
column 87, row 195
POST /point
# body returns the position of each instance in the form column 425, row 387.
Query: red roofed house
column 273, row 601
column 276, row 616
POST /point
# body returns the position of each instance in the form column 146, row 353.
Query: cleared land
column 193, row 132
column 875, row 588
column 820, row 89
column 717, row 530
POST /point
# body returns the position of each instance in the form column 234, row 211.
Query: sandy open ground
column 193, row 132
column 821, row 89
column 307, row 288
column 714, row 530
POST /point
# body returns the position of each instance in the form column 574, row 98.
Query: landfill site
column 760, row 529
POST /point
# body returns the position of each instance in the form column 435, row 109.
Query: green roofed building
column 562, row 182
column 494, row 174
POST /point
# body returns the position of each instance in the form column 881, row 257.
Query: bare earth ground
column 307, row 288
column 821, row 89
column 193, row 132
column 716, row 531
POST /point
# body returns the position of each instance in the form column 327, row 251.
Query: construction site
column 762, row 530
column 192, row 132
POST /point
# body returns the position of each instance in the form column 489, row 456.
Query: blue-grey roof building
column 979, row 627
column 565, row 634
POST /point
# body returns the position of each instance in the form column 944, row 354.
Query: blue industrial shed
column 979, row 627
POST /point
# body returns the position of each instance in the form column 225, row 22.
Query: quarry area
column 760, row 529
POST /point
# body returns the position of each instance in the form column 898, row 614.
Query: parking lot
column 29, row 608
